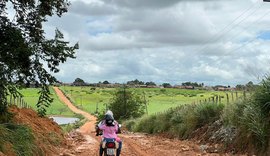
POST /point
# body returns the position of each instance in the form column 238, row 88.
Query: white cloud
column 165, row 41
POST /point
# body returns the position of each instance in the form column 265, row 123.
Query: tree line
column 80, row 82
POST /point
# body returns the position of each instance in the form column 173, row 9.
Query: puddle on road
column 64, row 120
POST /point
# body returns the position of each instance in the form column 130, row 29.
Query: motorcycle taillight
column 110, row 145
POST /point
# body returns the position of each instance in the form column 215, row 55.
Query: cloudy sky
column 207, row 41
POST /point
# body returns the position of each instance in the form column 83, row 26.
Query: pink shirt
column 109, row 131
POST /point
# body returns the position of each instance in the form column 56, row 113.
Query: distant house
column 223, row 88
column 189, row 87
column 184, row 87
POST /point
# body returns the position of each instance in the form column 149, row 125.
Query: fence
column 229, row 97
column 18, row 101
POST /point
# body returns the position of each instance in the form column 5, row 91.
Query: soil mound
column 48, row 135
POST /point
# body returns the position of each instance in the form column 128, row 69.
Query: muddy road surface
column 85, row 143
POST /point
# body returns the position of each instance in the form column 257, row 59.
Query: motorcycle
column 109, row 145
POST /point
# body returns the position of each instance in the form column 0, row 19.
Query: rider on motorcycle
column 110, row 128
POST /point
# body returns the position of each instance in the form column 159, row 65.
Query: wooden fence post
column 236, row 94
column 232, row 96
column 227, row 95
column 244, row 94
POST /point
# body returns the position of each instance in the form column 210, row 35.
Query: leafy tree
column 135, row 82
column 79, row 82
column 125, row 104
column 194, row 84
column 240, row 87
column 250, row 86
column 106, row 82
column 24, row 50
column 150, row 83
column 166, row 85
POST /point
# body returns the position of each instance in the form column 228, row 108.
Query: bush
column 181, row 121
column 251, row 117
column 208, row 113
column 125, row 105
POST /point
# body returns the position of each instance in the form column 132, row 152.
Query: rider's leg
column 118, row 151
column 100, row 149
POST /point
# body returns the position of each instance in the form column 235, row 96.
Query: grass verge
column 178, row 122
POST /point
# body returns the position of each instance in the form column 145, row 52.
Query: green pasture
column 30, row 95
column 158, row 99
column 93, row 99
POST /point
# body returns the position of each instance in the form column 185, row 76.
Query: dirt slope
column 133, row 144
column 48, row 135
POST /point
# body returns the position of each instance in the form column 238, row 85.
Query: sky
column 215, row 42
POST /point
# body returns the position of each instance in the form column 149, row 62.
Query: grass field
column 30, row 95
column 95, row 99
column 158, row 99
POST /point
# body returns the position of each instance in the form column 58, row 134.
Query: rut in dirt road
column 133, row 144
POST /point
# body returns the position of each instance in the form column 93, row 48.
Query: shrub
column 181, row 121
column 208, row 113
column 251, row 117
column 125, row 104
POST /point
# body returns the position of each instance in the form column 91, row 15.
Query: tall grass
column 251, row 117
column 178, row 122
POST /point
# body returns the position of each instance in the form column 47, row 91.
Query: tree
column 166, row 85
column 78, row 82
column 135, row 82
column 250, row 86
column 240, row 87
column 150, row 83
column 125, row 104
column 106, row 82
column 24, row 50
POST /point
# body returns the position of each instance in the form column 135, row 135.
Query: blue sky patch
column 265, row 35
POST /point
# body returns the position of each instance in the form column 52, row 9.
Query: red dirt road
column 133, row 144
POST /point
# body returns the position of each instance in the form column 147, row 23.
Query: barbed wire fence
column 18, row 101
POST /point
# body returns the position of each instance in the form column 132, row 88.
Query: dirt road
column 133, row 144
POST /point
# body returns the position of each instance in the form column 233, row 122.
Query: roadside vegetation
column 251, row 118
column 248, row 117
column 29, row 134
column 178, row 122
column 18, row 136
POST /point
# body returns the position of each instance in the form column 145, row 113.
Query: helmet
column 109, row 112
column 109, row 118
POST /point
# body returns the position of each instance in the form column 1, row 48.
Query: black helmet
column 109, row 120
